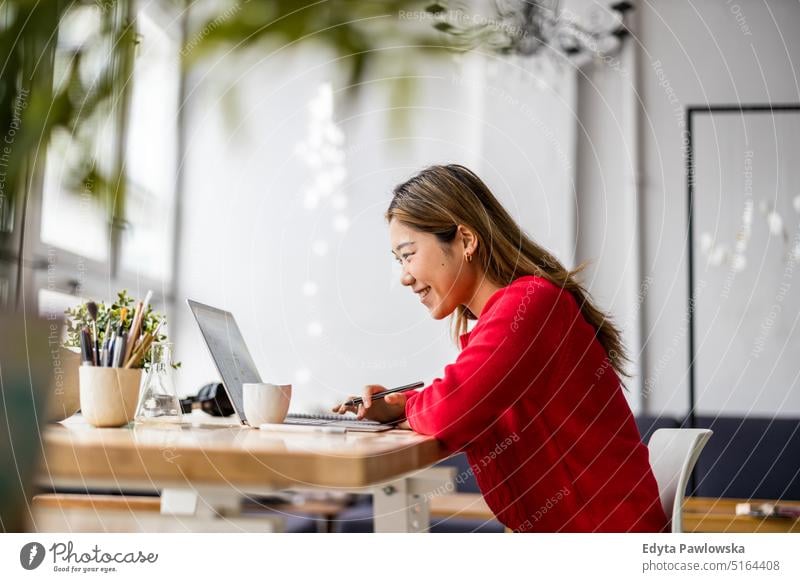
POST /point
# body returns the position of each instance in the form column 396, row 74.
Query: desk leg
column 210, row 509
column 396, row 510
column 403, row 505
column 200, row 503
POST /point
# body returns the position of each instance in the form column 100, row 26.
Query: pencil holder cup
column 109, row 395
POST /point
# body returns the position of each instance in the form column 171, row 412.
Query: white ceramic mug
column 109, row 395
column 265, row 402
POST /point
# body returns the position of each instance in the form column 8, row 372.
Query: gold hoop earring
column 468, row 256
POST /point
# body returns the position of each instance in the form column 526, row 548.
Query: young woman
column 535, row 397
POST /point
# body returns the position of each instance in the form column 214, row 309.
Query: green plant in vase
column 117, row 318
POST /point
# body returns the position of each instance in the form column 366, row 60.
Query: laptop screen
column 228, row 350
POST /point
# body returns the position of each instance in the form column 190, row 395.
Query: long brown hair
column 439, row 198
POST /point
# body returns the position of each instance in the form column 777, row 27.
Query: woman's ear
column 469, row 239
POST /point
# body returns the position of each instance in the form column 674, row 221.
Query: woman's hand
column 390, row 408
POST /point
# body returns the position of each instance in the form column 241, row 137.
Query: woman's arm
column 506, row 354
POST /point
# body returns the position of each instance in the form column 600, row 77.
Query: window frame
column 73, row 273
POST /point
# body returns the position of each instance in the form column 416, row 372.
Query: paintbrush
column 86, row 348
column 91, row 307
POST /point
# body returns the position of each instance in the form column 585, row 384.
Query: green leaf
column 77, row 317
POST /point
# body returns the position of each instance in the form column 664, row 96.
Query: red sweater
column 534, row 402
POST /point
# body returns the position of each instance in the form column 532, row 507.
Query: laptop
column 236, row 367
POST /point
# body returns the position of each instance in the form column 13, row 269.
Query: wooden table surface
column 215, row 451
column 706, row 514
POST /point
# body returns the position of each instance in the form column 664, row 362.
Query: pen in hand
column 380, row 395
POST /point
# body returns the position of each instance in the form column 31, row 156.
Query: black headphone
column 211, row 398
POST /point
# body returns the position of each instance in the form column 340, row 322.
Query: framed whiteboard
column 743, row 184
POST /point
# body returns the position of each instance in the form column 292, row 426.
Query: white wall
column 528, row 145
column 607, row 211
column 555, row 152
column 699, row 52
column 246, row 241
column 631, row 196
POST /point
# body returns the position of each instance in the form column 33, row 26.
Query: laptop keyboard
column 299, row 418
column 345, row 420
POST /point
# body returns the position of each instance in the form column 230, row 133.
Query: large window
column 151, row 148
column 79, row 245
column 72, row 219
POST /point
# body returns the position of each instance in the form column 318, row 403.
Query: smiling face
column 437, row 272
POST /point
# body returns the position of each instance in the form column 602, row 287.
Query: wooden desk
column 204, row 468
column 706, row 515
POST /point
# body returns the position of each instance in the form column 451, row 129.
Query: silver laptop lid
column 228, row 350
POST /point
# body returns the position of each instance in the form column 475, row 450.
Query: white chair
column 673, row 453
